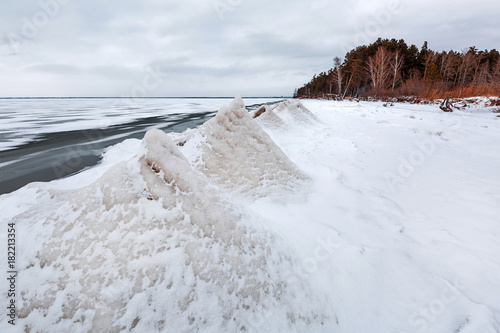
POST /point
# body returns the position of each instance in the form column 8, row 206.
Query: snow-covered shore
column 316, row 216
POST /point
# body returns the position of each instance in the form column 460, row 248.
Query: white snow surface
column 316, row 216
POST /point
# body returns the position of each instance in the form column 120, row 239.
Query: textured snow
column 266, row 117
column 235, row 153
column 315, row 216
column 296, row 112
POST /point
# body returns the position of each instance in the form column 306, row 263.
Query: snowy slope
column 316, row 216
column 409, row 195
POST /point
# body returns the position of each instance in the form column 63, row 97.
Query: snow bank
column 266, row 117
column 295, row 112
column 153, row 245
column 234, row 152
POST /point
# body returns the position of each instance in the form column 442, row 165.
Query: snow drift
column 265, row 116
column 234, row 152
column 153, row 245
column 295, row 112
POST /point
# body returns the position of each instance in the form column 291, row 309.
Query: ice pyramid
column 295, row 112
column 237, row 154
column 266, row 117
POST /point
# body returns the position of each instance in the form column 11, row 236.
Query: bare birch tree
column 378, row 67
column 466, row 66
column 448, row 66
column 338, row 74
column 396, row 64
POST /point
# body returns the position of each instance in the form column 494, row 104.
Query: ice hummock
column 265, row 116
column 154, row 244
column 295, row 112
column 236, row 153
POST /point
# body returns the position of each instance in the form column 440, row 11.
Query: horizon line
column 161, row 97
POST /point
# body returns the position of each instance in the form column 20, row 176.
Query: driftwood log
column 446, row 106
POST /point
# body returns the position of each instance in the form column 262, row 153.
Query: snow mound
column 266, row 117
column 294, row 111
column 151, row 246
column 236, row 153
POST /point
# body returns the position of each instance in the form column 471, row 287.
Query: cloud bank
column 215, row 47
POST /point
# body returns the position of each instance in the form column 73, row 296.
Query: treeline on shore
column 391, row 68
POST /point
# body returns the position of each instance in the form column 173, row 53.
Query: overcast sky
column 212, row 47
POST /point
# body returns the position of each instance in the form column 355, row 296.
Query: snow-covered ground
column 316, row 216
